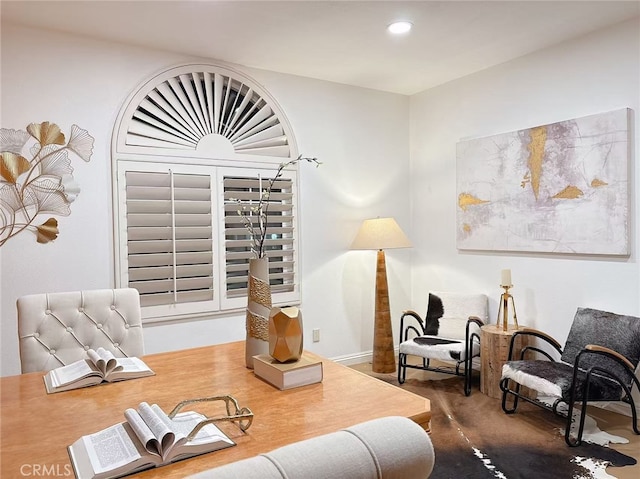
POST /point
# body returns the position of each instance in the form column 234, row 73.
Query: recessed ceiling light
column 398, row 28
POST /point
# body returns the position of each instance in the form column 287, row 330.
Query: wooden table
column 494, row 352
column 37, row 427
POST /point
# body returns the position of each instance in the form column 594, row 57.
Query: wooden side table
column 494, row 352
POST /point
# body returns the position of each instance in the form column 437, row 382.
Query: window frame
column 214, row 154
column 173, row 310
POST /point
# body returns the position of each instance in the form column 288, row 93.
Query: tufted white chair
column 56, row 329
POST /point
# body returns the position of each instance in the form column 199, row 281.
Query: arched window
column 186, row 143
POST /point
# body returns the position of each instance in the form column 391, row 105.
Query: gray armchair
column 598, row 363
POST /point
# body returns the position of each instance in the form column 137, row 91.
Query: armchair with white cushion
column 449, row 335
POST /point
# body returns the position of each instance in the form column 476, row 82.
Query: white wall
column 365, row 140
column 361, row 136
column 593, row 74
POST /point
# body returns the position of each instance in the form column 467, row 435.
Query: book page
column 132, row 365
column 142, row 431
column 104, row 360
column 184, row 423
column 165, row 419
column 95, row 358
column 72, row 372
column 110, row 448
column 208, row 439
column 129, row 368
column 153, row 418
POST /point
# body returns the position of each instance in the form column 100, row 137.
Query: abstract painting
column 557, row 188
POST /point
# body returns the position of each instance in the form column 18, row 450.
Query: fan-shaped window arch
column 182, row 143
column 192, row 108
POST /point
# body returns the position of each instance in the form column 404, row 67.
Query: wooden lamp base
column 384, row 360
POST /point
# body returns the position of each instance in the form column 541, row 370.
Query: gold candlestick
column 503, row 310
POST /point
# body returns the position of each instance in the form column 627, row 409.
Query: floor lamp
column 380, row 234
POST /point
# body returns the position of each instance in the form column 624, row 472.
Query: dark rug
column 474, row 438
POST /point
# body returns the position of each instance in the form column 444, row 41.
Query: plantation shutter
column 185, row 105
column 242, row 191
column 169, row 236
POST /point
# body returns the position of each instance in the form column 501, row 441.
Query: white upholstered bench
column 391, row 447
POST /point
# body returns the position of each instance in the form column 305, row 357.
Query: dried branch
column 258, row 233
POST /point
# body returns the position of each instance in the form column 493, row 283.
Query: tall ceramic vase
column 258, row 308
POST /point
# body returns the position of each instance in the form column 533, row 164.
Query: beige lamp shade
column 380, row 233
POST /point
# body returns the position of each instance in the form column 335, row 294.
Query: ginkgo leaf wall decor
column 36, row 178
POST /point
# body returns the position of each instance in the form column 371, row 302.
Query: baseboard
column 350, row 359
column 617, row 407
column 357, row 358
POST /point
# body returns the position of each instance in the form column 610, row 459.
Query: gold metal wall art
column 36, row 177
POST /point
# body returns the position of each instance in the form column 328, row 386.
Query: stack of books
column 306, row 370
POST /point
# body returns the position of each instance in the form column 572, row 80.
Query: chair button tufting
column 99, row 326
column 116, row 344
column 86, row 347
column 52, row 351
column 47, row 311
column 126, row 326
column 69, row 329
column 36, row 335
column 81, row 310
column 113, row 307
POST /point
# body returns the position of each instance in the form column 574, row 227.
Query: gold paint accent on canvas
column 536, row 155
column 597, row 183
column 259, row 291
column 257, row 326
column 465, row 200
column 569, row 193
column 466, row 228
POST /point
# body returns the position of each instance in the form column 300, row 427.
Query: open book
column 101, row 365
column 149, row 438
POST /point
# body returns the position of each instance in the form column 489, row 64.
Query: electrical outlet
column 316, row 335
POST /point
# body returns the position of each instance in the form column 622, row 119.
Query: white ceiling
column 338, row 41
